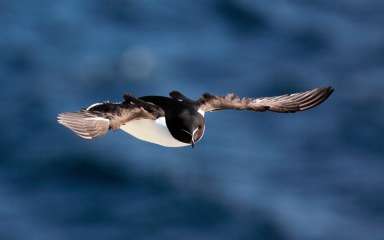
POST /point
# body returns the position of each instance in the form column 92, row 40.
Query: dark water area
column 311, row 175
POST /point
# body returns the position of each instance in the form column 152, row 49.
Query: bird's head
column 187, row 126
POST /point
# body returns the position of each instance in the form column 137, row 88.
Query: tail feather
column 84, row 124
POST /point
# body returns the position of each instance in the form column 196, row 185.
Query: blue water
column 311, row 175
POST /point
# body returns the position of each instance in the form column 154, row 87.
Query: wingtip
column 59, row 118
column 325, row 92
column 84, row 125
column 329, row 90
column 320, row 95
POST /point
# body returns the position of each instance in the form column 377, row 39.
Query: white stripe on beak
column 192, row 141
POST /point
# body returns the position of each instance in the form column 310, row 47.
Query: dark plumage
column 177, row 120
column 284, row 103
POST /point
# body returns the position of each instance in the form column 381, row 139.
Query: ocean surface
column 312, row 175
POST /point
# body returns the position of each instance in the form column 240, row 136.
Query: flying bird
column 176, row 121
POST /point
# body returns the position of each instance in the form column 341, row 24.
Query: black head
column 186, row 125
column 183, row 121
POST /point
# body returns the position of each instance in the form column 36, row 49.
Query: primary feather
column 85, row 124
column 98, row 118
column 285, row 103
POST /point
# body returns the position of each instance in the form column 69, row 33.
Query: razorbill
column 176, row 121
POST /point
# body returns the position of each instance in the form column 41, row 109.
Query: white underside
column 153, row 131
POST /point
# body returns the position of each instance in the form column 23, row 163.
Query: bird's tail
column 84, row 123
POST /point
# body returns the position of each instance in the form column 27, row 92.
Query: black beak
column 192, row 140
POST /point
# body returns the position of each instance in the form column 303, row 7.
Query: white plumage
column 153, row 131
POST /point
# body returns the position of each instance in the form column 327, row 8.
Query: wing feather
column 285, row 103
column 97, row 119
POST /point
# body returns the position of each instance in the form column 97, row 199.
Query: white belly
column 153, row 131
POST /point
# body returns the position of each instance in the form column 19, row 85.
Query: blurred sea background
column 311, row 175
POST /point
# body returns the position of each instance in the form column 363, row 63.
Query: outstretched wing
column 97, row 119
column 285, row 103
